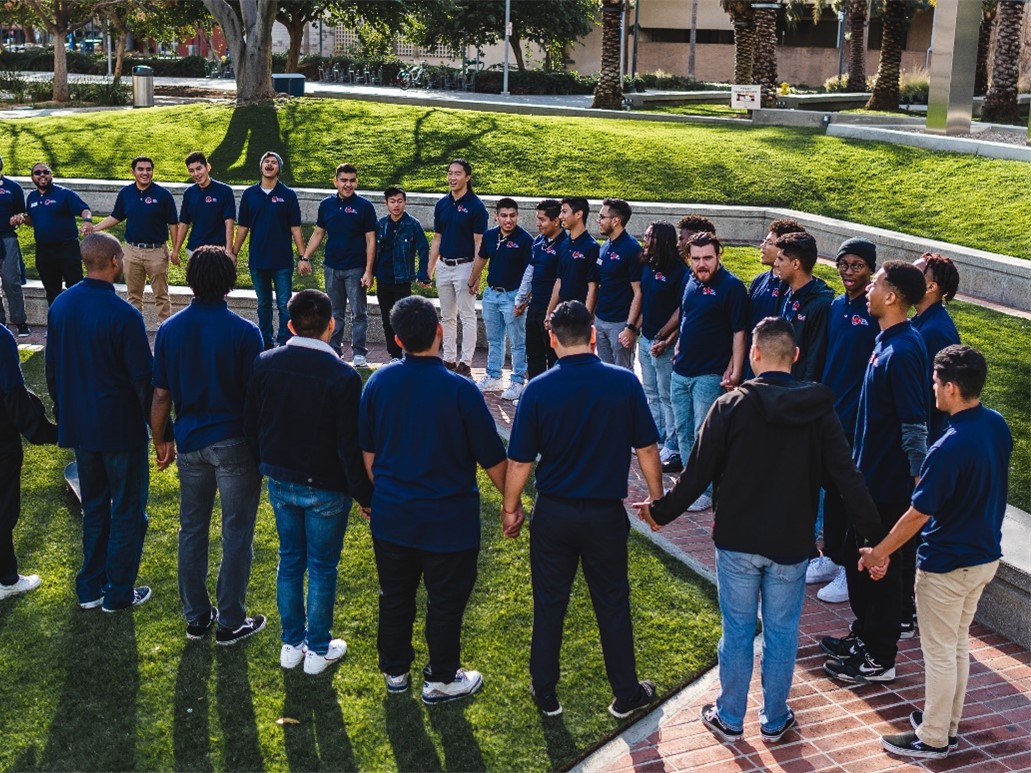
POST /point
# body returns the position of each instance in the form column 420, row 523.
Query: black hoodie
column 768, row 447
column 807, row 310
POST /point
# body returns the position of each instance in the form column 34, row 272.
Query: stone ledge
column 1006, row 604
column 935, row 142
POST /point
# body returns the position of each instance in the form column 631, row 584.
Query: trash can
column 142, row 86
column 291, row 84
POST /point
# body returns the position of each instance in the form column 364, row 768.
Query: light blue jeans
column 345, row 287
column 655, row 377
column 499, row 319
column 692, row 396
column 746, row 581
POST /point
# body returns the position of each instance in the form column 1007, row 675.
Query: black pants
column 10, row 507
column 877, row 604
column 449, row 579
column 835, row 526
column 388, row 295
column 563, row 533
column 539, row 354
column 57, row 263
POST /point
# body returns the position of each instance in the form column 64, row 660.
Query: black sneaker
column 198, row 629
column 140, row 595
column 842, row 649
column 772, row 736
column 916, row 718
column 645, row 697
column 673, row 464
column 24, row 331
column 860, row 669
column 462, row 369
column 711, row 719
column 907, row 630
column 251, row 625
column 548, row 704
column 908, row 745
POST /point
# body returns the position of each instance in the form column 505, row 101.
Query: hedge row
column 93, row 64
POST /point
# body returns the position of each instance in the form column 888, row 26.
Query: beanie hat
column 279, row 159
column 861, row 248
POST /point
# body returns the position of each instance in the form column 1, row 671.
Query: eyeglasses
column 40, row 172
column 853, row 267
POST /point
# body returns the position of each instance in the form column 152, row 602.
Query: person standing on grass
column 806, row 301
column 459, row 222
column 957, row 510
column 618, row 314
column 271, row 214
column 506, row 249
column 350, row 255
column 203, row 357
column 95, row 338
column 399, row 238
column 545, row 258
column 578, row 265
column 208, row 213
column 425, row 503
column 934, row 322
column 148, row 210
column 12, row 212
column 51, row 210
column 582, row 418
column 314, row 470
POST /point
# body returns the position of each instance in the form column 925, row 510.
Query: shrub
column 837, row 84
column 914, row 87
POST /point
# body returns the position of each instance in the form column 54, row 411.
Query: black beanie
column 861, row 248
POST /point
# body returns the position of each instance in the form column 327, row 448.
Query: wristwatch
column 632, row 329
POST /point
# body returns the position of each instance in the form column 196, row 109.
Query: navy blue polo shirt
column 766, row 294
column 346, row 221
column 203, row 356
column 619, row 264
column 269, row 217
column 963, row 487
column 207, row 210
column 938, row 331
column 147, row 213
column 660, row 297
column 54, row 214
column 545, row 257
column 508, row 256
column 12, row 202
column 894, row 393
column 710, row 314
column 558, row 418
column 456, row 222
column 97, row 350
column 851, row 333
column 425, row 494
column 577, row 267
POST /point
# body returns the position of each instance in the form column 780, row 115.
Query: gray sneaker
column 397, row 684
column 465, row 683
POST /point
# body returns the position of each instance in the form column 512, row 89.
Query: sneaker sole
column 397, row 690
column 728, row 737
column 448, row 698
column 832, row 599
column 953, row 742
column 91, row 604
column 927, row 755
column 907, row 634
column 290, row 666
column 775, row 737
column 239, row 639
column 197, row 636
column 850, row 679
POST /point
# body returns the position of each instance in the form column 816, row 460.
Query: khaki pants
column 945, row 607
column 141, row 265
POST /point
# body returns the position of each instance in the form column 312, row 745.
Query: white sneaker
column 23, row 585
column 512, row 393
column 316, row 664
column 704, row 502
column 490, row 384
column 360, row 361
column 665, row 454
column 820, row 569
column 396, row 684
column 465, row 683
column 837, row 591
column 290, row 656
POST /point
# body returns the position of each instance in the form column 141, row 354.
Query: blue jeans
column 265, row 280
column 655, row 378
column 345, row 287
column 10, row 277
column 499, row 319
column 746, row 580
column 114, row 487
column 228, row 467
column 311, row 523
column 692, row 396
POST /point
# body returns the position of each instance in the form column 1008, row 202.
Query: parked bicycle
column 416, row 75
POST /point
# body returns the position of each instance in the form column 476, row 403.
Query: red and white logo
column 3, row 191
column 350, row 210
column 277, row 200
column 48, row 202
column 708, row 290
column 149, row 200
column 511, row 245
column 461, row 208
column 857, row 320
column 613, row 256
column 660, row 277
column 577, row 255
column 794, row 307
column 775, row 292
column 209, row 199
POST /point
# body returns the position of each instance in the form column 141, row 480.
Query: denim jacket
column 409, row 240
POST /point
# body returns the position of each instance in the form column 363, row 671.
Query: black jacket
column 768, row 447
column 809, row 320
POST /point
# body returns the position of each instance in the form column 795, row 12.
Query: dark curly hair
column 211, row 273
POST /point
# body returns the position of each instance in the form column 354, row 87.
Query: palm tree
column 1000, row 104
column 764, row 52
column 857, row 45
column 897, row 16
column 741, row 15
column 984, row 41
column 608, row 94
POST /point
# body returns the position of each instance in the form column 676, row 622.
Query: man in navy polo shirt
column 12, row 207
column 766, row 292
column 618, row 314
column 582, row 417
column 148, row 210
column 425, row 503
column 806, row 301
column 271, row 213
column 203, row 357
column 96, row 338
column 710, row 351
column 506, row 248
column 889, row 449
column 934, row 322
column 350, row 221
column 545, row 257
column 52, row 209
column 209, row 206
column 578, row 264
column 957, row 509
column 459, row 221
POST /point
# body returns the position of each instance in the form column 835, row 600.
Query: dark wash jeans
column 10, row 506
column 388, row 295
column 266, row 280
column 539, row 354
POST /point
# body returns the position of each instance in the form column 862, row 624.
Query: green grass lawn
column 695, row 108
column 88, row 691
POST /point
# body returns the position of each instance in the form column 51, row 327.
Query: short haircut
column 196, row 157
column 571, row 323
column 775, row 338
column 462, row 163
column 907, row 280
column 506, row 203
column 139, row 160
column 392, row 191
column 211, row 273
column 963, row 366
column 704, row 239
column 551, row 208
column 310, row 313
column 696, row 223
column 943, row 271
column 786, row 226
column 346, row 169
column 620, row 209
column 577, row 204
column 98, row 248
column 800, row 246
column 415, row 322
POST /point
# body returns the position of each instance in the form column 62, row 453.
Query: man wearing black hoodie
column 781, row 437
column 806, row 302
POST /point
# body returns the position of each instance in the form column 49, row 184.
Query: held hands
column 644, row 512
column 658, row 347
column 366, row 279
column 86, row 228
column 627, row 338
column 874, row 564
column 512, row 522
column 164, row 451
column 731, row 378
column 518, row 309
column 304, row 268
column 366, row 512
column 173, row 258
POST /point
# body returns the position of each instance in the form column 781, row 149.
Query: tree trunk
column 744, row 42
column 608, row 94
column 764, row 58
column 60, row 92
column 249, row 39
column 123, row 38
column 856, row 46
column 889, row 69
column 1000, row 104
column 984, row 41
column 293, row 54
column 517, row 50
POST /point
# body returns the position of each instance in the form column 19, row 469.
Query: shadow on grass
column 191, row 737
column 252, row 131
column 443, row 144
column 236, row 711
column 413, row 749
column 559, row 741
column 320, row 741
column 461, row 750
